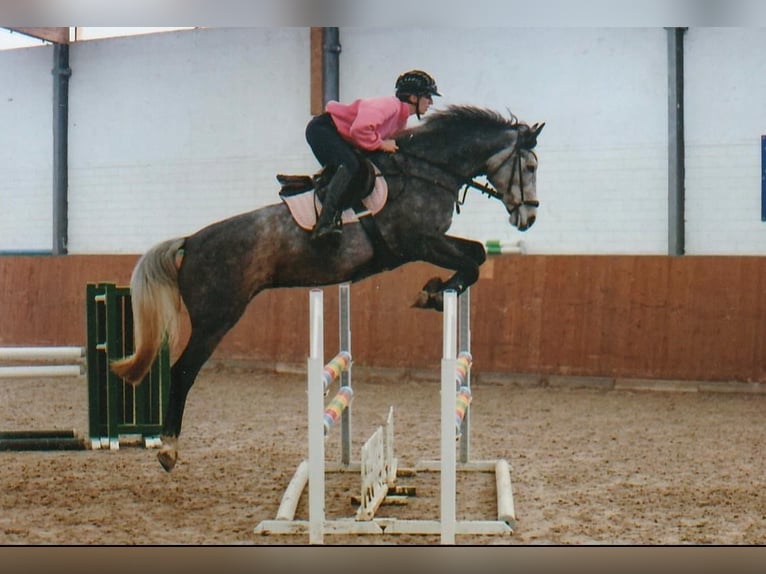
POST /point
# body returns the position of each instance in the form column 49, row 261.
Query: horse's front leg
column 462, row 255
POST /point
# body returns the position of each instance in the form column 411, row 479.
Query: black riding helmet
column 415, row 83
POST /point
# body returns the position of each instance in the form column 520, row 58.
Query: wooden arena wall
column 688, row 318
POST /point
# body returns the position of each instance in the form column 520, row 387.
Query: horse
column 220, row 268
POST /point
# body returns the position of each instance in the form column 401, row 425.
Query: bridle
column 467, row 182
column 514, row 156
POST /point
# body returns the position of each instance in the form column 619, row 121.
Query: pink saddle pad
column 305, row 207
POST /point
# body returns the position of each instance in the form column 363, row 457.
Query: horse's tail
column 156, row 306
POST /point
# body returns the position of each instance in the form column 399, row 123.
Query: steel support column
column 331, row 65
column 61, row 73
column 676, row 153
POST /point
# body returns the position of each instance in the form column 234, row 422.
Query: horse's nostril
column 530, row 221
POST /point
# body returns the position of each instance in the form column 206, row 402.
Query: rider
column 369, row 124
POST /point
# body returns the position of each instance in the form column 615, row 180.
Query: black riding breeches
column 327, row 144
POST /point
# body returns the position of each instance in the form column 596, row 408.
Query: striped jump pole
column 463, row 399
column 338, row 405
column 465, row 360
column 334, row 368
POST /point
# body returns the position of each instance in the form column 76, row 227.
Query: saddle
column 303, row 194
column 360, row 187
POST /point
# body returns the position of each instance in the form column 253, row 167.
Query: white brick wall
column 726, row 115
column 173, row 131
column 26, row 182
column 602, row 180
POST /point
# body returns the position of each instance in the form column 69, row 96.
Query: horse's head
column 513, row 173
column 464, row 139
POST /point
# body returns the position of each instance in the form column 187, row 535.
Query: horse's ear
column 530, row 137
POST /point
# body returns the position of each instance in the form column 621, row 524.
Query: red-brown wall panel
column 696, row 318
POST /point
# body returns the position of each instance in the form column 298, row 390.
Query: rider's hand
column 389, row 146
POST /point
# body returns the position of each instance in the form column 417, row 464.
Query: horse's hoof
column 167, row 459
column 422, row 300
column 427, row 298
column 168, row 454
column 433, row 285
column 429, row 301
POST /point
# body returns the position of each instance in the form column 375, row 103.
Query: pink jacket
column 366, row 122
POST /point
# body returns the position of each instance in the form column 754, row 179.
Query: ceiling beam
column 317, row 71
column 55, row 35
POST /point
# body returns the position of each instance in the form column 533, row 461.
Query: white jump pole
column 293, row 492
column 505, row 508
column 33, row 371
column 315, row 412
column 41, row 353
column 448, row 448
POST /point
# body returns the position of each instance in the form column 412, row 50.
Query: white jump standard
column 378, row 466
column 320, row 422
column 452, row 377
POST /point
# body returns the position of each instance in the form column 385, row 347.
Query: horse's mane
column 457, row 119
column 456, row 116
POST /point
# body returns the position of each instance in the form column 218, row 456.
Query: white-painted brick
column 26, row 205
column 171, row 132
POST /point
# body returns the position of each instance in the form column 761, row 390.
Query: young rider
column 369, row 124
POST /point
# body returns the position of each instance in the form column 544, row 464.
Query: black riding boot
column 329, row 222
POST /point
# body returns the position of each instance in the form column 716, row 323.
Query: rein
column 467, row 182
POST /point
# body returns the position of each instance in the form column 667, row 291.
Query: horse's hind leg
column 202, row 342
